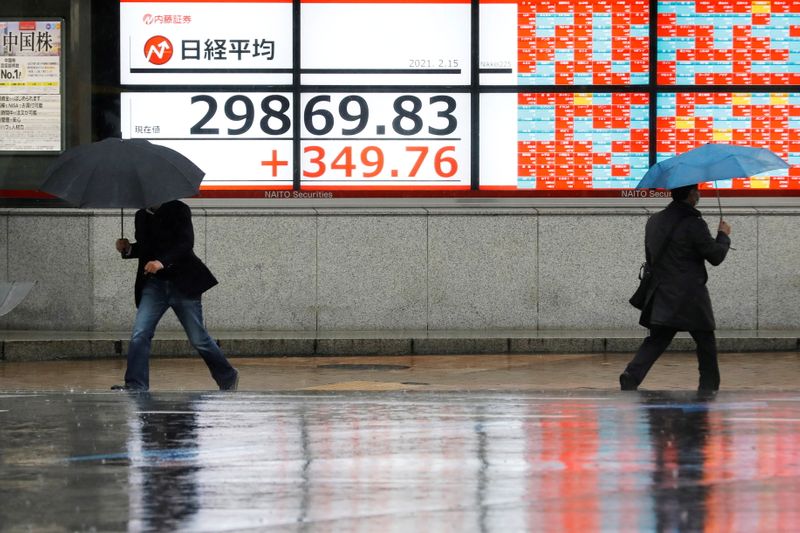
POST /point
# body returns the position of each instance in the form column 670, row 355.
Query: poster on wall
column 30, row 85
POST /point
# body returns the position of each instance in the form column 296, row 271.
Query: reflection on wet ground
column 413, row 461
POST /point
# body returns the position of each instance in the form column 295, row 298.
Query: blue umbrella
column 710, row 162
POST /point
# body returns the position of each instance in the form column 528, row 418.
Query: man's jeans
column 157, row 296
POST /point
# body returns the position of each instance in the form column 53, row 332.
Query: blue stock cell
column 723, row 35
column 620, row 66
column 564, row 55
column 601, row 171
column 545, row 21
column 601, row 21
column 546, row 68
column 668, row 7
column 685, row 9
column 780, row 21
column 600, row 145
column 601, row 42
column 762, row 31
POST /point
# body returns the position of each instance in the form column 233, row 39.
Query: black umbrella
column 122, row 173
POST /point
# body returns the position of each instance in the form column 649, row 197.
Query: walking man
column 169, row 275
column 677, row 244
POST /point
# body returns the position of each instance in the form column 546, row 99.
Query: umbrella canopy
column 710, row 162
column 12, row 293
column 122, row 173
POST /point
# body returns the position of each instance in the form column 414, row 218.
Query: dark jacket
column 167, row 235
column 677, row 296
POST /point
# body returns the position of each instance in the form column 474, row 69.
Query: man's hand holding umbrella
column 151, row 267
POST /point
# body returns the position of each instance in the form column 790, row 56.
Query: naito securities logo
column 158, row 50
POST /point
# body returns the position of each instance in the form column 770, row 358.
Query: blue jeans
column 157, row 296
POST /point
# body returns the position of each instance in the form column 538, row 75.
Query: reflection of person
column 677, row 298
column 679, row 431
column 169, row 275
column 168, row 432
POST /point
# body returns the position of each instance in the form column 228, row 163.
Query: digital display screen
column 764, row 120
column 580, row 141
column 385, row 141
column 568, row 42
column 381, row 95
column 206, row 43
column 728, row 42
column 385, row 42
column 241, row 140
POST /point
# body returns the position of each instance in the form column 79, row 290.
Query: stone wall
column 323, row 269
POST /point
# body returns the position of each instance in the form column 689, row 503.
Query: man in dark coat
column 169, row 275
column 679, row 242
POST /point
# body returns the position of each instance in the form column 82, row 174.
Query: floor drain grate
column 345, row 366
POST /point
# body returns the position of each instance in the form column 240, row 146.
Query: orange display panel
column 766, row 120
column 728, row 42
column 583, row 42
column 582, row 141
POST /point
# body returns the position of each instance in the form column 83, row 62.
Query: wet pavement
column 673, row 371
column 408, row 461
column 409, row 444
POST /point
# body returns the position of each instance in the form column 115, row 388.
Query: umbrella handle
column 121, row 224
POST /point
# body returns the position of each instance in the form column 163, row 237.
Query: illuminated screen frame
column 482, row 85
column 605, row 167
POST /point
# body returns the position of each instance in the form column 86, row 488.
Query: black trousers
column 658, row 341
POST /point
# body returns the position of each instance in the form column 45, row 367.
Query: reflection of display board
column 375, row 97
column 764, row 120
column 30, row 85
column 729, row 42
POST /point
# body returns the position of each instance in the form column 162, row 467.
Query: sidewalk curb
column 261, row 344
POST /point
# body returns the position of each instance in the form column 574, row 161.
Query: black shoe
column 627, row 382
column 233, row 384
column 128, row 388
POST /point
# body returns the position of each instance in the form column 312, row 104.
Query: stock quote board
column 458, row 97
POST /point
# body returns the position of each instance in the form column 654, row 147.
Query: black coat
column 677, row 296
column 167, row 235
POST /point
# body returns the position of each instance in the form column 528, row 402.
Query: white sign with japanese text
column 238, row 139
column 206, row 43
column 386, row 42
column 30, row 85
